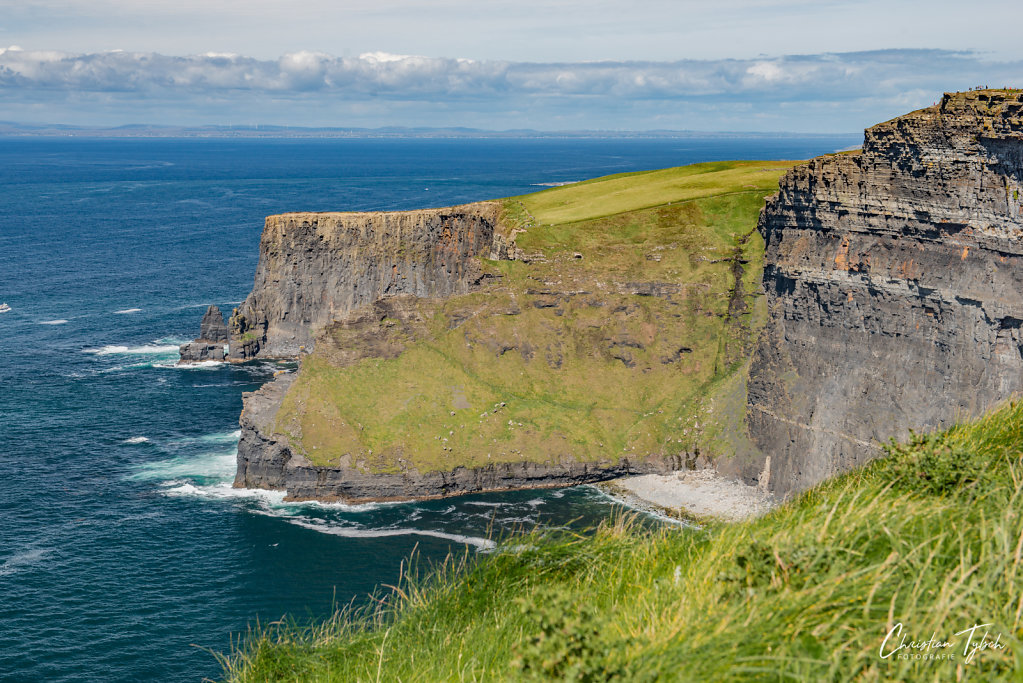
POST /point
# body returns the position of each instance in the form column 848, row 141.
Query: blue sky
column 757, row 65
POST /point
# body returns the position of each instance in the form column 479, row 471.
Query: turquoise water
column 122, row 545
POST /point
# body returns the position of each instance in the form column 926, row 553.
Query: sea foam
column 143, row 350
column 349, row 532
column 217, row 467
column 26, row 558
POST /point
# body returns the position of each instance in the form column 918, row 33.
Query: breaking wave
column 143, row 350
column 24, row 559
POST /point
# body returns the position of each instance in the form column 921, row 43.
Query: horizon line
column 258, row 130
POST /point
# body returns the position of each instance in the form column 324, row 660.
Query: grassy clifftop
column 923, row 545
column 633, row 309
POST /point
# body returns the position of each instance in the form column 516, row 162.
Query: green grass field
column 612, row 353
column 930, row 537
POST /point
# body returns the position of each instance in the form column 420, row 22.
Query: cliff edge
column 317, row 267
column 573, row 335
column 894, row 283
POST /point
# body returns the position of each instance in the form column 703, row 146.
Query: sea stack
column 212, row 341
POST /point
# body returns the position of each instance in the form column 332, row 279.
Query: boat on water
column 4, row 308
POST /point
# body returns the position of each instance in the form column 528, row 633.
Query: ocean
column 125, row 555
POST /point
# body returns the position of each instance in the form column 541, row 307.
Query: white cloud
column 776, row 89
column 768, row 71
column 515, row 30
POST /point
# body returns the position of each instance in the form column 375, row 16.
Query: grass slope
column 930, row 538
column 614, row 353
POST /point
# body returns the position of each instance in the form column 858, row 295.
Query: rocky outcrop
column 211, row 344
column 894, row 282
column 267, row 460
column 315, row 268
column 212, row 327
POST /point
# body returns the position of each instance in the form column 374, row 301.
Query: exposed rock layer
column 211, row 344
column 894, row 282
column 317, row 267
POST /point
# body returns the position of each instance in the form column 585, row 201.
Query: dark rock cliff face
column 212, row 327
column 317, row 267
column 211, row 343
column 894, row 282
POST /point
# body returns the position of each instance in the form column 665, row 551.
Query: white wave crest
column 224, row 490
column 136, row 439
column 126, row 311
column 59, row 321
column 273, row 503
column 201, row 365
column 23, row 559
column 348, row 532
column 216, row 438
column 144, row 350
column 219, row 466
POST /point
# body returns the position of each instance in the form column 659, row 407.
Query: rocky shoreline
column 692, row 494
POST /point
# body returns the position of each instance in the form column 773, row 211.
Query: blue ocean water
column 123, row 550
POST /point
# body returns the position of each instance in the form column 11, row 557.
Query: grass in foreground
column 930, row 537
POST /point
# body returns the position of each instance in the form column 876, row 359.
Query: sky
column 815, row 66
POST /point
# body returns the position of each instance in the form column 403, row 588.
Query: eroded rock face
column 315, row 268
column 211, row 344
column 200, row 352
column 212, row 327
column 894, row 282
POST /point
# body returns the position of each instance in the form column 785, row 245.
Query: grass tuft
column 930, row 537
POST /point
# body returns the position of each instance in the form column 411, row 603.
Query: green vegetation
column 930, row 537
column 637, row 306
column 633, row 191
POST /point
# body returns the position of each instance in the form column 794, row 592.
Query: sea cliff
column 316, row 267
column 894, row 283
column 640, row 323
column 575, row 335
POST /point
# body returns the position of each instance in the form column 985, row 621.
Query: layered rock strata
column 894, row 281
column 211, row 344
column 317, row 267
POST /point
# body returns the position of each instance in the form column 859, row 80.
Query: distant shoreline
column 19, row 130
